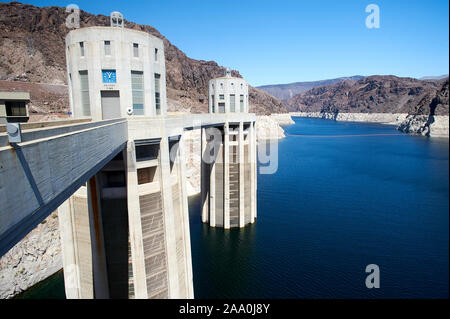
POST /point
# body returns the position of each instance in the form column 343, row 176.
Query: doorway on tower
column 110, row 104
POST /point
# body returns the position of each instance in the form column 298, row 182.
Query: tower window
column 221, row 107
column 156, row 54
column 107, row 48
column 158, row 93
column 136, row 50
column 81, row 48
column 147, row 152
column 232, row 103
column 146, row 175
column 213, row 104
column 241, row 100
column 137, row 87
column 221, row 97
column 84, row 85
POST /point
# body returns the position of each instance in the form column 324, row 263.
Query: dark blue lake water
column 345, row 195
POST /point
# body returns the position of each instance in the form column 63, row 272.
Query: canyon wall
column 33, row 259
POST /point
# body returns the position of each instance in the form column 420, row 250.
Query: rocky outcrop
column 426, row 125
column 32, row 50
column 268, row 128
column 427, row 118
column 439, row 126
column 283, row 119
column 33, row 259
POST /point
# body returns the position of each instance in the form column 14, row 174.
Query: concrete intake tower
column 229, row 157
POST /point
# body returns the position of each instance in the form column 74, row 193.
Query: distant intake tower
column 229, row 157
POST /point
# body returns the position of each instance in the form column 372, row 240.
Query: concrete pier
column 229, row 158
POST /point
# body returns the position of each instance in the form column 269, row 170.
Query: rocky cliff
column 33, row 259
column 32, row 50
column 430, row 117
column 374, row 94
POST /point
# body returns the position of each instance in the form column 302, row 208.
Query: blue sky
column 272, row 42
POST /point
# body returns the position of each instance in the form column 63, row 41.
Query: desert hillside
column 376, row 94
column 287, row 91
column 32, row 50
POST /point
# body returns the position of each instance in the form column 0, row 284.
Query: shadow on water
column 222, row 259
column 51, row 288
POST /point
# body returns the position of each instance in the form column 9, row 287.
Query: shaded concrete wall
column 229, row 175
column 76, row 246
column 144, row 232
column 45, row 171
column 158, row 214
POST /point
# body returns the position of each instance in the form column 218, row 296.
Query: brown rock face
column 287, row 91
column 32, row 50
column 437, row 103
column 375, row 94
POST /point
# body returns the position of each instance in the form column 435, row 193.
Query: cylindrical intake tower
column 229, row 157
column 115, row 72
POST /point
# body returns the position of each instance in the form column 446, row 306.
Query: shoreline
column 425, row 125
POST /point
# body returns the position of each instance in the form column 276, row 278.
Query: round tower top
column 116, row 19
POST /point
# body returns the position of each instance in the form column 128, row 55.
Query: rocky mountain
column 375, row 94
column 287, row 91
column 32, row 50
column 439, row 77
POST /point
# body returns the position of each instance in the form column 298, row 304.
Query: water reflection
column 226, row 256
